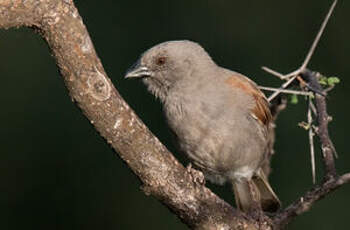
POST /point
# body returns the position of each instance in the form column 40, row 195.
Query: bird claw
column 197, row 176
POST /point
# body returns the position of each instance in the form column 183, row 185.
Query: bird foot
column 197, row 176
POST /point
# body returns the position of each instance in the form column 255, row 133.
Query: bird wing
column 261, row 110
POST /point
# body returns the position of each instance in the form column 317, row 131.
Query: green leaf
column 333, row 80
column 323, row 80
column 328, row 81
column 294, row 99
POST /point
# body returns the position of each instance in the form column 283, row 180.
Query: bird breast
column 218, row 135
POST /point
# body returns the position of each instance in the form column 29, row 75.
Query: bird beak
column 137, row 71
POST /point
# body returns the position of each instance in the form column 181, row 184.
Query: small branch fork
column 290, row 77
column 310, row 87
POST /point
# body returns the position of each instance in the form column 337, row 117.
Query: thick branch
column 328, row 149
column 326, row 143
column 162, row 175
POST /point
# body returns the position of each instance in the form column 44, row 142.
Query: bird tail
column 249, row 193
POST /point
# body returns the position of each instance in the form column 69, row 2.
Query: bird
column 219, row 118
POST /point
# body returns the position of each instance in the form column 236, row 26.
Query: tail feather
column 257, row 191
column 268, row 199
column 244, row 196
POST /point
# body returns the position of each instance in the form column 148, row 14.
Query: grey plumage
column 219, row 117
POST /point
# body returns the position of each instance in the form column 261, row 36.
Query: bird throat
column 159, row 88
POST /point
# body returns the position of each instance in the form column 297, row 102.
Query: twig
column 304, row 203
column 317, row 39
column 287, row 91
column 273, row 72
column 284, row 85
column 329, row 88
column 313, row 108
column 291, row 76
column 311, row 140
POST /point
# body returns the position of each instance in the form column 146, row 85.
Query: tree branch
column 60, row 24
column 304, row 203
column 322, row 116
column 330, row 181
column 162, row 176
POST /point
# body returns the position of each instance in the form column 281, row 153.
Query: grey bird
column 220, row 119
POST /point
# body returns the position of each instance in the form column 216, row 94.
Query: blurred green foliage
column 57, row 173
column 294, row 99
column 329, row 81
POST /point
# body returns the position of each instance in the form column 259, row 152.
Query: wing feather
column 261, row 109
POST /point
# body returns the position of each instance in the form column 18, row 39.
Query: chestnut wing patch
column 261, row 109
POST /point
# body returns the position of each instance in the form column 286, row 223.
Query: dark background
column 56, row 172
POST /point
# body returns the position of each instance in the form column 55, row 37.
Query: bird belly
column 222, row 150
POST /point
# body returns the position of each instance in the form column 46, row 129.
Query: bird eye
column 160, row 60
